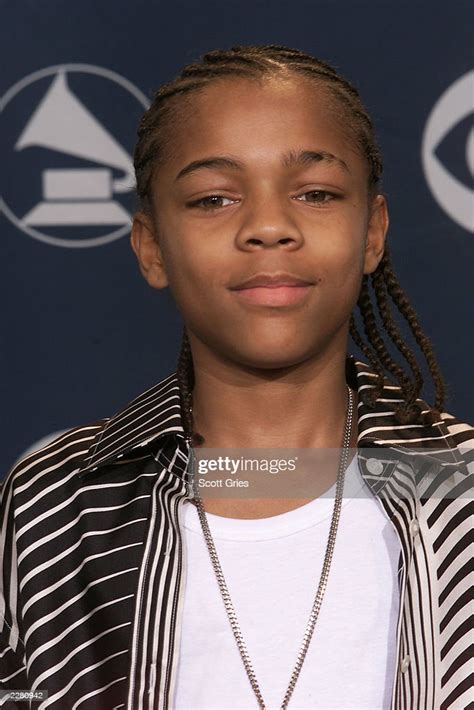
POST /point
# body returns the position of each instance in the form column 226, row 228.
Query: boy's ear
column 376, row 232
column 143, row 240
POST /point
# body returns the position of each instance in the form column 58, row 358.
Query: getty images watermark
column 309, row 473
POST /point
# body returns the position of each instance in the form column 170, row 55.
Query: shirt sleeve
column 13, row 675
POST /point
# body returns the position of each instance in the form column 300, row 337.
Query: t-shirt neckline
column 316, row 512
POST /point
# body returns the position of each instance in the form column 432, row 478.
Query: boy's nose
column 268, row 223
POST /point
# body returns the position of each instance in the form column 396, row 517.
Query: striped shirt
column 94, row 564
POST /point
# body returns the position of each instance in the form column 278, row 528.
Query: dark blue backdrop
column 82, row 331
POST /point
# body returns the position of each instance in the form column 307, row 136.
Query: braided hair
column 258, row 62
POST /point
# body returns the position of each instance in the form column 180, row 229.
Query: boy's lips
column 273, row 295
column 279, row 278
column 278, row 289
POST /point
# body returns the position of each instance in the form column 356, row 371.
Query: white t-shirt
column 272, row 568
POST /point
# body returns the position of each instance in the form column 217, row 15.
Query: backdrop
column 82, row 332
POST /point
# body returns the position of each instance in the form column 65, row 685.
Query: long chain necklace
column 322, row 582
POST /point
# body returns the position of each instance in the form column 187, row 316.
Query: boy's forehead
column 232, row 114
column 231, row 93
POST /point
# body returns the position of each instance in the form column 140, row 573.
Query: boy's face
column 265, row 217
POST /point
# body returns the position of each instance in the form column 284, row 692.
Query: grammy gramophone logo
column 70, row 130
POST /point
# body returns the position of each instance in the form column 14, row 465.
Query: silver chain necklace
column 322, row 582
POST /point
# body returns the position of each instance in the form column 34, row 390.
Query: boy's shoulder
column 453, row 453
column 458, row 429
column 66, row 452
column 152, row 412
column 460, row 436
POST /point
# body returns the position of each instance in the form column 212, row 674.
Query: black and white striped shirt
column 93, row 571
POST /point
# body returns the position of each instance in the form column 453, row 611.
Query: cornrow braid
column 254, row 63
column 384, row 280
column 375, row 337
column 185, row 375
column 402, row 303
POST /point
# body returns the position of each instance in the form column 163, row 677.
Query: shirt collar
column 156, row 414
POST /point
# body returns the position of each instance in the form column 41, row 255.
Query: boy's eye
column 318, row 196
column 210, row 202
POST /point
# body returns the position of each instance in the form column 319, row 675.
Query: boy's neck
column 301, row 409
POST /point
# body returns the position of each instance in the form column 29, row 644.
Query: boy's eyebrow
column 306, row 157
column 301, row 157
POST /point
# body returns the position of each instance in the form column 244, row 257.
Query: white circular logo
column 68, row 132
column 454, row 105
